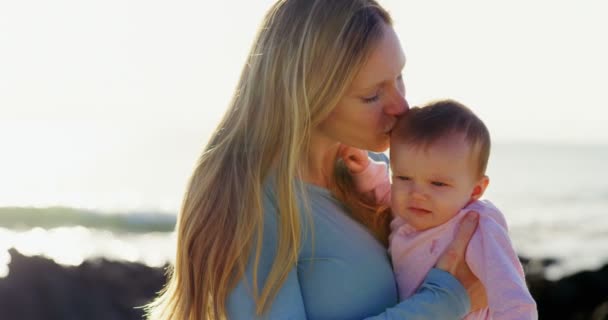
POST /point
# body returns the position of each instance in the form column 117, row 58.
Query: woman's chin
column 381, row 147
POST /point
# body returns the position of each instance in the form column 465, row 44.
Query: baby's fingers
column 452, row 258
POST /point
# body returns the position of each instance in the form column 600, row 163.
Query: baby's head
column 439, row 153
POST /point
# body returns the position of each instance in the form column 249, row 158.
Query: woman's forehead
column 384, row 64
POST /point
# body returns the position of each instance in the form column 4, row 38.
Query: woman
column 260, row 234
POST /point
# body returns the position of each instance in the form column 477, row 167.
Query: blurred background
column 106, row 105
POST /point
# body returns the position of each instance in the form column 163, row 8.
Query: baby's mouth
column 419, row 211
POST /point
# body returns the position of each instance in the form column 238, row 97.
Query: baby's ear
column 480, row 187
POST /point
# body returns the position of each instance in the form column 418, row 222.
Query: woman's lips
column 389, row 127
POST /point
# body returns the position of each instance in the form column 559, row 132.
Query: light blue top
column 346, row 275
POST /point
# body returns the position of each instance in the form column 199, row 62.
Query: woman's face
column 366, row 114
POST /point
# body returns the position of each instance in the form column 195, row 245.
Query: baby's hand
column 356, row 160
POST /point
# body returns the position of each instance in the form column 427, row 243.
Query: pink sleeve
column 374, row 180
column 493, row 260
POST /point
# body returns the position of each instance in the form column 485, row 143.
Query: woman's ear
column 480, row 188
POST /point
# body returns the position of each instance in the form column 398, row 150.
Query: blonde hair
column 305, row 55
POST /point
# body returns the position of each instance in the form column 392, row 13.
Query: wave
column 20, row 218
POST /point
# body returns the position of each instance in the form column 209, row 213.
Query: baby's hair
column 423, row 126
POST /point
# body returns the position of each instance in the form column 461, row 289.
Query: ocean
column 555, row 199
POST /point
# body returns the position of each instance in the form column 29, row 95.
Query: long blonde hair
column 305, row 55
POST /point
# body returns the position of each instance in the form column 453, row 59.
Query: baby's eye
column 438, row 184
column 402, row 178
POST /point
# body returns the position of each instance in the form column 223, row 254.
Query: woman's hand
column 356, row 160
column 453, row 261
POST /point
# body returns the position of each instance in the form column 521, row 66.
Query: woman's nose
column 397, row 106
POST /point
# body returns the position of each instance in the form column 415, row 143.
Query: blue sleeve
column 287, row 304
column 377, row 156
column 440, row 296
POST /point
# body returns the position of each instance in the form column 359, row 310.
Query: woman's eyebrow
column 369, row 88
column 379, row 83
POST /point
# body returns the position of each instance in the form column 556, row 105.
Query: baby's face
column 430, row 185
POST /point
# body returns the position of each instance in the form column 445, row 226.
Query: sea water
column 555, row 199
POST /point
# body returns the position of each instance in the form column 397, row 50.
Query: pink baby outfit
column 490, row 254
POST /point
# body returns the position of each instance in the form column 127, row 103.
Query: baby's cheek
column 451, row 208
column 397, row 203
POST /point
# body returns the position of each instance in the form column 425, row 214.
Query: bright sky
column 108, row 103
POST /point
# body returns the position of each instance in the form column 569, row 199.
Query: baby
column 438, row 158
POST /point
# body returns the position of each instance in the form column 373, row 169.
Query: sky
column 107, row 104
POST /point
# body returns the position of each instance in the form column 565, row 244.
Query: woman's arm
column 440, row 296
column 288, row 303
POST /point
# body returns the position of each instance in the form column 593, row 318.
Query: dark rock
column 38, row 288
column 583, row 295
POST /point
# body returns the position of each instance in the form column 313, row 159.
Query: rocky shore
column 38, row 288
column 580, row 296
